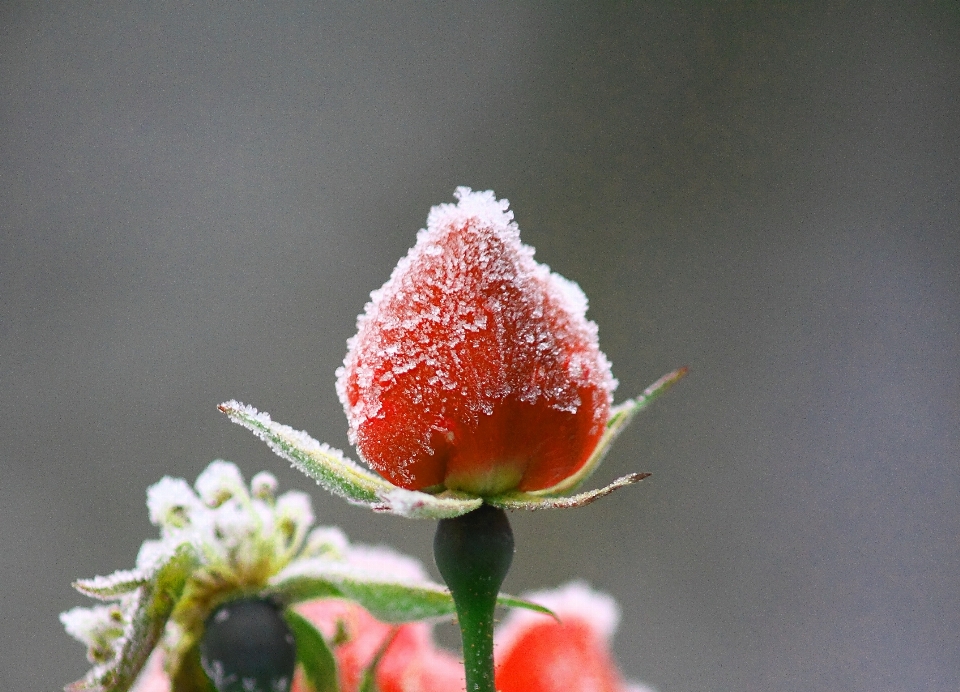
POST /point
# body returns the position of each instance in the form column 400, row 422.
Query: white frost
column 470, row 288
column 86, row 624
column 170, row 500
column 220, row 481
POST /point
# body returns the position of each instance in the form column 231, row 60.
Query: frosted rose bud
column 474, row 367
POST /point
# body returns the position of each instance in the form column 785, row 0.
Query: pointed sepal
column 620, row 416
column 114, row 586
column 342, row 477
column 533, row 502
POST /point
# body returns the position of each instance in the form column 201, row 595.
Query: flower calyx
column 345, row 478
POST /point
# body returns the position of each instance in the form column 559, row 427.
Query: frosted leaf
column 114, row 586
column 413, row 504
column 321, row 462
column 339, row 475
column 220, row 481
column 122, row 637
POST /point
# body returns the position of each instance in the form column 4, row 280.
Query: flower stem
column 473, row 553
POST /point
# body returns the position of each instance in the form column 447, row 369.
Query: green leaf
column 398, row 602
column 620, row 416
column 388, row 601
column 319, row 664
column 302, row 588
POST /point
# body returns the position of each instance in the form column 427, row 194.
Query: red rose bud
column 474, row 367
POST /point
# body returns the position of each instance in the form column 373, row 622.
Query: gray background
column 196, row 201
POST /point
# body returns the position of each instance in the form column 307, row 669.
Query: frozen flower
column 474, row 368
column 474, row 377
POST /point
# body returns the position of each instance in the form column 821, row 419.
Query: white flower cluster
column 217, row 539
column 230, row 526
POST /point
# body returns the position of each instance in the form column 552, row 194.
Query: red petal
column 474, row 367
column 558, row 657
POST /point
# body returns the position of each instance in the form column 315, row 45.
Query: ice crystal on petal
column 155, row 553
column 171, row 503
column 471, row 335
column 295, row 507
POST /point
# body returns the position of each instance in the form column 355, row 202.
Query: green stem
column 473, row 553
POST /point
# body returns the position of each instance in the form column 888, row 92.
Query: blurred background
column 197, row 199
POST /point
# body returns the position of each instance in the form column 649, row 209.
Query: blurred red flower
column 474, row 367
column 534, row 652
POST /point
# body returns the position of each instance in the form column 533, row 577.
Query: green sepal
column 532, row 502
column 620, row 416
column 319, row 664
column 505, row 601
column 326, row 465
column 342, row 477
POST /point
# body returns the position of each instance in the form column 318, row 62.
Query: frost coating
column 474, row 367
